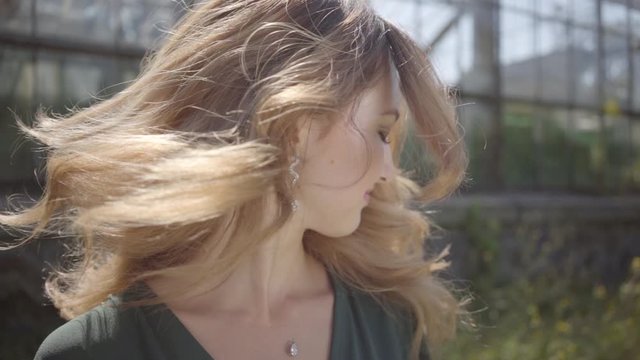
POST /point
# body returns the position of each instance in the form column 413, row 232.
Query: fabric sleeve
column 424, row 352
column 66, row 342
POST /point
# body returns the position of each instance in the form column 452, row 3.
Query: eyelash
column 384, row 137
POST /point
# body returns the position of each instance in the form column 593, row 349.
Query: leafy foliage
column 558, row 313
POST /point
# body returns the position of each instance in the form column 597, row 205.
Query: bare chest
column 227, row 338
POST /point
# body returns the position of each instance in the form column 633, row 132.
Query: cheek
column 340, row 161
column 332, row 183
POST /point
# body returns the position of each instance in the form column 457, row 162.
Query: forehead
column 384, row 96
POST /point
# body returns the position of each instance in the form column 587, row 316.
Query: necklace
column 292, row 348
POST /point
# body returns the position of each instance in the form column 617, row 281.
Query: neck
column 277, row 273
column 263, row 285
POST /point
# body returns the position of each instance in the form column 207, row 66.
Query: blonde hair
column 167, row 177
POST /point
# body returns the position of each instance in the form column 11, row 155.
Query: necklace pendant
column 292, row 348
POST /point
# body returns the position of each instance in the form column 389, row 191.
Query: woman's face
column 335, row 172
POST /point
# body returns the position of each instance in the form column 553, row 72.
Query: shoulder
column 394, row 325
column 66, row 342
column 388, row 326
column 88, row 335
column 379, row 313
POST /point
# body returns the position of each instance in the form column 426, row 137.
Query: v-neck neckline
column 173, row 331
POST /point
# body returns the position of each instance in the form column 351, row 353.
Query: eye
column 384, row 136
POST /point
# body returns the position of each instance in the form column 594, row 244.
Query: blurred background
column 546, row 233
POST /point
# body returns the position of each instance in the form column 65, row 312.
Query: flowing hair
column 168, row 177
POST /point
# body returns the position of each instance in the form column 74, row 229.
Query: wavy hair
column 168, row 177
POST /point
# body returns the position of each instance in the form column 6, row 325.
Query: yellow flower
column 599, row 292
column 564, row 303
column 534, row 316
column 635, row 265
column 563, row 327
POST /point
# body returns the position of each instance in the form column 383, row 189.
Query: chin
column 340, row 228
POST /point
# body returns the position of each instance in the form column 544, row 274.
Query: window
column 519, row 161
column 517, row 55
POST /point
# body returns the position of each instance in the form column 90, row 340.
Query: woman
column 242, row 198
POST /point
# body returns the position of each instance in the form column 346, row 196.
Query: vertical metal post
column 536, row 116
column 417, row 23
column 34, row 57
column 631, row 91
column 631, row 77
column 486, row 50
column 36, row 157
column 600, row 94
column 33, row 14
column 497, row 106
column 573, row 98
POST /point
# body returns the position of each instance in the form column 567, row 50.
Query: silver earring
column 294, row 179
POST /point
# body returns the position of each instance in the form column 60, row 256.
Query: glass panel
column 635, row 22
column 90, row 20
column 552, row 37
column 518, row 4
column 131, row 16
column 476, row 120
column 585, row 12
column 614, row 15
column 554, row 161
column 88, row 78
column 16, row 160
column 83, row 78
column 475, row 62
column 69, row 80
column 144, row 24
column 130, row 70
column 16, row 72
column 517, row 55
column 478, row 58
column 16, row 94
column 433, row 19
column 553, row 55
column 445, row 56
column 585, row 66
column 403, row 14
column 49, row 79
column 115, row 75
column 465, row 44
column 15, row 15
column 616, row 69
column 635, row 38
column 619, row 164
column 518, row 150
column 17, row 85
column 588, row 152
column 636, row 79
column 158, row 3
column 635, row 154
column 556, row 8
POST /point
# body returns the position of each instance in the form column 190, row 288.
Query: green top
column 362, row 329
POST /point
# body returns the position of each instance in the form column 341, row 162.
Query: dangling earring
column 295, row 176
